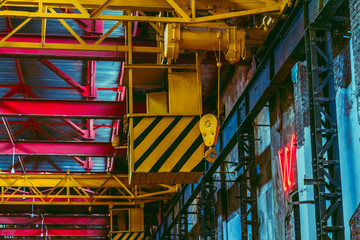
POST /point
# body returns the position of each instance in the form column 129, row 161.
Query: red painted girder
column 42, row 148
column 72, row 238
column 52, row 220
column 75, row 54
column 61, row 108
column 53, row 232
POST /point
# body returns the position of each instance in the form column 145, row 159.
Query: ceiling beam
column 42, row 148
column 52, row 232
column 62, row 108
column 54, row 220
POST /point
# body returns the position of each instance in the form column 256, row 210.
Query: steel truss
column 324, row 137
column 182, row 11
column 77, row 189
column 207, row 210
column 183, row 227
column 248, row 183
column 90, row 16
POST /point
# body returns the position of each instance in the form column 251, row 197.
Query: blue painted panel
column 259, row 87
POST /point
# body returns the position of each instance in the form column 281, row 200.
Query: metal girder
column 77, row 189
column 324, row 140
column 28, row 45
column 207, row 210
column 53, row 232
column 61, row 108
column 248, row 183
column 72, row 238
column 223, row 10
column 52, row 148
column 53, row 220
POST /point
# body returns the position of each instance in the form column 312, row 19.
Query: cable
column 13, row 160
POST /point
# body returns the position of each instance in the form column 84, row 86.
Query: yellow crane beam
column 218, row 10
column 78, row 189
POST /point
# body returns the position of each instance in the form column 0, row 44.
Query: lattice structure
column 183, row 229
column 324, row 140
column 77, row 189
column 207, row 210
column 247, row 179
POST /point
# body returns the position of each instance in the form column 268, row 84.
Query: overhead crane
column 165, row 144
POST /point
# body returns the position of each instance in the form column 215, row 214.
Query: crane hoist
column 166, row 144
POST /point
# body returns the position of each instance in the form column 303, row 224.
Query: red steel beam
column 29, row 232
column 63, row 108
column 72, row 238
column 54, row 220
column 42, row 148
column 81, row 89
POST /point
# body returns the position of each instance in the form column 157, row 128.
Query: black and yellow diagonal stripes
column 167, row 144
column 129, row 236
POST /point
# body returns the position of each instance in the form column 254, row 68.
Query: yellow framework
column 78, row 189
column 184, row 10
column 180, row 11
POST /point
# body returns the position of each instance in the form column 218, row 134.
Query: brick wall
column 355, row 32
column 355, row 225
column 301, row 98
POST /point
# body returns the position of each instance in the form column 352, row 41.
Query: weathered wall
column 228, row 204
column 234, row 88
column 348, row 135
column 265, row 198
column 355, row 225
column 304, row 159
column 354, row 6
column 282, row 121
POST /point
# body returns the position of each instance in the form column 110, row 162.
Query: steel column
column 324, row 140
column 248, row 183
column 183, row 227
column 207, row 210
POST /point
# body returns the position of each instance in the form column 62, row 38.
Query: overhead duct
column 231, row 39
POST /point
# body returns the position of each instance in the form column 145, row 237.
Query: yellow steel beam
column 98, row 11
column 272, row 8
column 152, row 23
column 57, row 180
column 219, row 10
column 146, row 5
column 179, row 10
column 69, row 29
column 116, row 25
column 78, row 189
column 87, row 47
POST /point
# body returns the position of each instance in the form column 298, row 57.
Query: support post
column 207, row 210
column 324, row 140
column 248, row 183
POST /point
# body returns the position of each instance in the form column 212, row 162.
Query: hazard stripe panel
column 164, row 146
column 129, row 236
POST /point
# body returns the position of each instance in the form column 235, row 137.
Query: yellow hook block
column 209, row 128
column 210, row 155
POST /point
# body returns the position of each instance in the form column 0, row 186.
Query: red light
column 286, row 163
